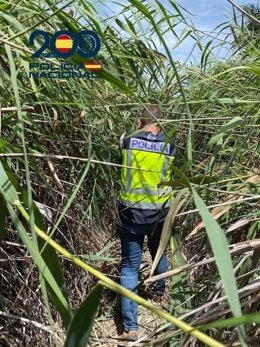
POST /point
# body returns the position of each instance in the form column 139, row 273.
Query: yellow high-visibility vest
column 153, row 156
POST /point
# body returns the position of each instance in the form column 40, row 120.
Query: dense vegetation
column 59, row 176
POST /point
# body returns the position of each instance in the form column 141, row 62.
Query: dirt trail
column 107, row 326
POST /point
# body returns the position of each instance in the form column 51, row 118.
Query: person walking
column 143, row 206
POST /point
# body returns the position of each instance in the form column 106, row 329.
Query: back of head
column 150, row 114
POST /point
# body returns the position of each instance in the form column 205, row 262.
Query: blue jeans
column 132, row 239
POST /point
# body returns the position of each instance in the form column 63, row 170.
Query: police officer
column 143, row 205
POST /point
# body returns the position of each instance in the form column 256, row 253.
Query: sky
column 206, row 15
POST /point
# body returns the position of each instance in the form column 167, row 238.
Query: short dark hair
column 150, row 113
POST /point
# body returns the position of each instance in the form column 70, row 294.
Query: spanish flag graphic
column 64, row 43
column 93, row 66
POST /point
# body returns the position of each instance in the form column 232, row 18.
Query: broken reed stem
column 244, row 12
column 62, row 157
column 29, row 321
column 14, row 109
column 244, row 247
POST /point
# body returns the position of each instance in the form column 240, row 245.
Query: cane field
column 60, row 173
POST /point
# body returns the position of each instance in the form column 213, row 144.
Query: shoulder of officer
column 121, row 140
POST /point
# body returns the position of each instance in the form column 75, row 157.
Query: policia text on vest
column 157, row 147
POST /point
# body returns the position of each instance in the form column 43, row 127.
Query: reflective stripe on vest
column 138, row 187
column 144, row 205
